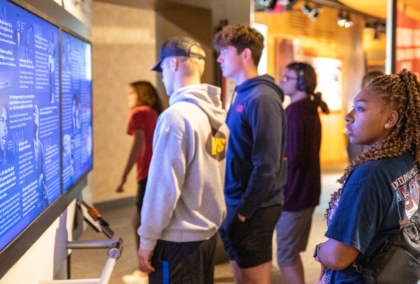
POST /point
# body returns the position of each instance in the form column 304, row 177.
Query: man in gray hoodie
column 184, row 204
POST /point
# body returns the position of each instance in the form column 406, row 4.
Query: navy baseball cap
column 177, row 46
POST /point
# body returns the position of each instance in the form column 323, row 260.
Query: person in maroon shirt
column 303, row 187
column 145, row 106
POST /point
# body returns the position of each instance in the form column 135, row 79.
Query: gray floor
column 89, row 263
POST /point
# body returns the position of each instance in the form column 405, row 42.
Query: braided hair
column 401, row 92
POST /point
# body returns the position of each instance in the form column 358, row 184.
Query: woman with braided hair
column 380, row 188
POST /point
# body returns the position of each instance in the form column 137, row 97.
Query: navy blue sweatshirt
column 255, row 166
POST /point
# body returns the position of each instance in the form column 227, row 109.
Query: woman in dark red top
column 145, row 106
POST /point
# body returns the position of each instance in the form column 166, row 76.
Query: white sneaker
column 137, row 277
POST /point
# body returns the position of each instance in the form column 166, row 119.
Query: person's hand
column 241, row 218
column 321, row 273
column 145, row 257
column 120, row 187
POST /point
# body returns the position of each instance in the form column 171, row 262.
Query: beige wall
column 322, row 38
column 123, row 41
column 185, row 21
column 126, row 42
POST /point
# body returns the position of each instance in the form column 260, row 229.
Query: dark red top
column 143, row 118
column 303, row 186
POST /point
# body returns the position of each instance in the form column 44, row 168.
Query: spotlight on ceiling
column 379, row 28
column 268, row 4
column 344, row 20
column 306, row 9
column 349, row 22
column 341, row 21
column 312, row 13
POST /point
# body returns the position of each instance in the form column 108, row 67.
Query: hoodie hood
column 264, row 80
column 206, row 97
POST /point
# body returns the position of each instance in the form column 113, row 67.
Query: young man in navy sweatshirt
column 255, row 168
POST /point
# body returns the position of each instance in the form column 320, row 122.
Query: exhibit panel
column 29, row 119
column 45, row 133
column 76, row 73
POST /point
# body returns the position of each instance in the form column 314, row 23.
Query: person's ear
column 392, row 119
column 246, row 54
column 174, row 63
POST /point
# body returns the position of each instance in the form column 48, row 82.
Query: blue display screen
column 29, row 118
column 76, row 72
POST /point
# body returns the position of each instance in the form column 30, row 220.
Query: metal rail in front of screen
column 114, row 252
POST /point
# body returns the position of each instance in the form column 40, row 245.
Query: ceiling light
column 349, row 22
column 341, row 20
column 379, row 28
column 310, row 12
column 306, row 9
column 313, row 14
column 268, row 4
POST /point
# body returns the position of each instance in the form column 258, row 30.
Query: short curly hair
column 240, row 37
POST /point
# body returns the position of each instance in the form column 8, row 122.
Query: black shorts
column 183, row 263
column 249, row 243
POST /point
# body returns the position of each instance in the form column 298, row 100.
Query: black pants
column 141, row 190
column 183, row 263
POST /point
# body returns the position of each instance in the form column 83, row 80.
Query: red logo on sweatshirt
column 216, row 145
column 239, row 108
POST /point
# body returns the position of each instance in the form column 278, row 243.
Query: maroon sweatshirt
column 303, row 186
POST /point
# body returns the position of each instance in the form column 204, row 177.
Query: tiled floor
column 89, row 263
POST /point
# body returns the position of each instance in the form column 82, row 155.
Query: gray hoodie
column 184, row 199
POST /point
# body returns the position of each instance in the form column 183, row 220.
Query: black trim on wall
column 394, row 37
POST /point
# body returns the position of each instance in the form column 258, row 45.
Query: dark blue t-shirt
column 377, row 199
